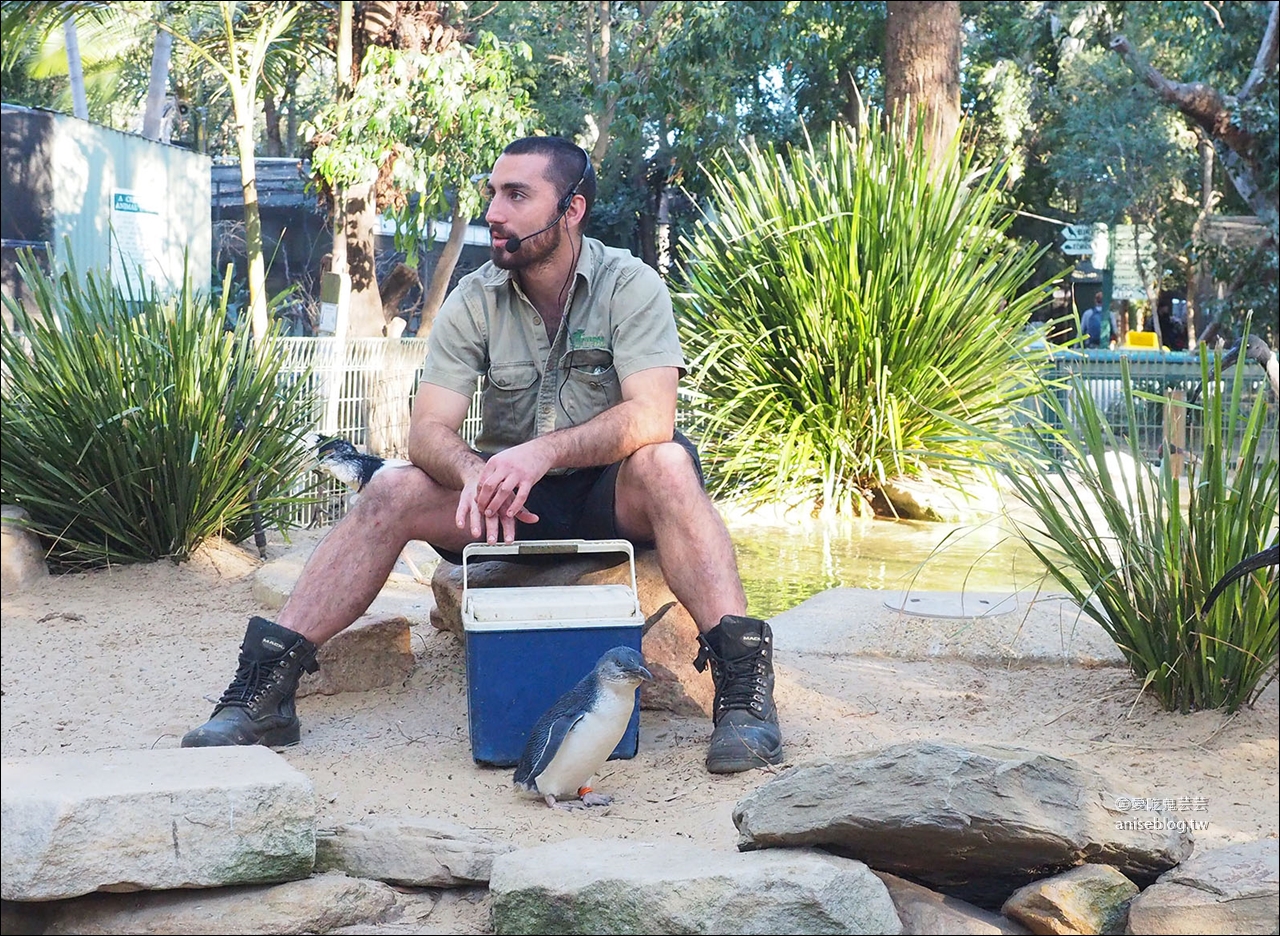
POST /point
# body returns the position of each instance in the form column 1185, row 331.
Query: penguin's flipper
column 544, row 741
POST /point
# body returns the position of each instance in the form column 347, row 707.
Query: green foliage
column 1127, row 553
column 135, row 427
column 429, row 121
column 838, row 303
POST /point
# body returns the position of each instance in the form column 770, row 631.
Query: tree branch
column 1198, row 101
column 1267, row 55
column 1207, row 107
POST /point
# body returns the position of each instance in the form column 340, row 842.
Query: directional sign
column 1086, row 240
column 1134, row 265
column 1077, row 240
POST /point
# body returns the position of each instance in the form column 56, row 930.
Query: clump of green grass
column 1140, row 554
column 135, row 427
column 844, row 303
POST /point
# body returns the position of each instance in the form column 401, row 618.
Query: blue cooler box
column 526, row 647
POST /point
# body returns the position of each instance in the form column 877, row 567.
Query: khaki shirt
column 619, row 322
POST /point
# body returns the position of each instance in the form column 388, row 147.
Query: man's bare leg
column 337, row 585
column 659, row 497
column 352, row 563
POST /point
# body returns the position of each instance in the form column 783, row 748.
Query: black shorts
column 577, row 505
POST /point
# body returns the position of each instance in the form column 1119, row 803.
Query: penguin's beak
column 644, row 674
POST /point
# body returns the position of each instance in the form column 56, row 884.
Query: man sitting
column 577, row 344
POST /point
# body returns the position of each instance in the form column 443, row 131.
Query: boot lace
column 252, row 679
column 740, row 684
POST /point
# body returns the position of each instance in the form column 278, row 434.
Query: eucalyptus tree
column 431, row 108
column 1216, row 67
column 922, row 69
column 246, row 34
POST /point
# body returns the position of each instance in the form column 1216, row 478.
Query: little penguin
column 577, row 734
column 354, row 469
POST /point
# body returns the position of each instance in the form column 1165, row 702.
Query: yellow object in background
column 1141, row 339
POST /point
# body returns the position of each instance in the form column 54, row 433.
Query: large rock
column 923, row 912
column 409, row 851
column 1233, row 889
column 973, row 823
column 669, row 646
column 318, row 905
column 1088, row 899
column 371, row 653
column 21, row 554
column 153, row 820
column 615, row 886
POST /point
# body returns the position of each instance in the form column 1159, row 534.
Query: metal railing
column 1164, row 382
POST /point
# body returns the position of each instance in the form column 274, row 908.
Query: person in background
column 1097, row 325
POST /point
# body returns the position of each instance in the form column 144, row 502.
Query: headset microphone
column 513, row 243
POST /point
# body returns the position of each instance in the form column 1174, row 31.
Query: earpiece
column 567, row 200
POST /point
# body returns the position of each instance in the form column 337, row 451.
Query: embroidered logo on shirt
column 578, row 340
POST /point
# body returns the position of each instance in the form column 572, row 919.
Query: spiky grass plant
column 840, row 303
column 1114, row 533
column 134, row 427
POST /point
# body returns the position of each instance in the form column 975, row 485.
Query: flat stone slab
column 924, row 911
column 153, row 820
column 1232, row 889
column 409, row 851
column 321, row 904
column 975, row 823
column 980, row 627
column 624, row 886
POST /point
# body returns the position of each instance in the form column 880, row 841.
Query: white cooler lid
column 578, row 603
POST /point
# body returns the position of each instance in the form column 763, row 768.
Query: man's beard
column 534, row 250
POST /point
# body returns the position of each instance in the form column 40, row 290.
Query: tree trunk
column 75, row 71
column 252, row 224
column 444, row 268
column 360, row 215
column 271, row 110
column 157, row 85
column 922, row 69
column 291, row 122
column 1201, row 291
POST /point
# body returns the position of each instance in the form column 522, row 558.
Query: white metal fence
column 366, row 397
column 361, row 391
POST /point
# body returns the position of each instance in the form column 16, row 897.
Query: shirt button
column 537, row 320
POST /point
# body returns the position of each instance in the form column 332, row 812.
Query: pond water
column 781, row 566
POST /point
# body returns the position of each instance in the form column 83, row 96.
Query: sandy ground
column 132, row 657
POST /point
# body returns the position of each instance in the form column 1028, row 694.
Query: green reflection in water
column 782, row 566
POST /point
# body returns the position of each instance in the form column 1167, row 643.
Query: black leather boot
column 258, row 706
column 740, row 650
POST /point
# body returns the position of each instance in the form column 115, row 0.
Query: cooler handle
column 548, row 548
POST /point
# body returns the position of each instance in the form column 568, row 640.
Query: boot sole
column 286, row 737
column 752, row 760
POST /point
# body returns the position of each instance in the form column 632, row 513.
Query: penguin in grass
column 577, row 734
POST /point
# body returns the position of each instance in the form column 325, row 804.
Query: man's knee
column 663, row 466
column 397, row 492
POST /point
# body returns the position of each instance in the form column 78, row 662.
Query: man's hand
column 493, row 500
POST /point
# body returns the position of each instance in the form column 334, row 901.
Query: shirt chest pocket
column 590, row 383
column 509, row 404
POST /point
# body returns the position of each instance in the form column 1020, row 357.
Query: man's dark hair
column 568, row 165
